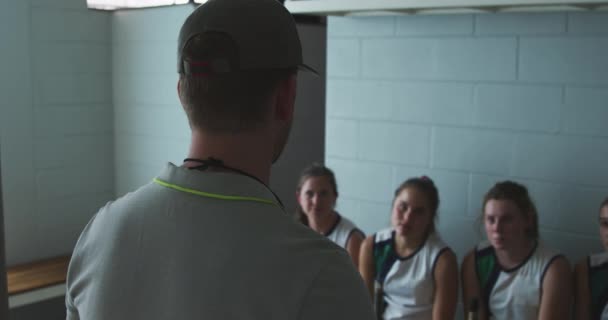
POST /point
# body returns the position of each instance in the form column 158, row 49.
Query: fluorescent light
column 123, row 4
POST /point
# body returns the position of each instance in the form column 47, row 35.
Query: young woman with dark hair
column 317, row 192
column 512, row 274
column 411, row 273
column 592, row 277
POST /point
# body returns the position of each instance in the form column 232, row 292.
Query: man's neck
column 250, row 152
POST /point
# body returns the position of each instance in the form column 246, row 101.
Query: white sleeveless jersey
column 598, row 285
column 408, row 282
column 341, row 231
column 514, row 293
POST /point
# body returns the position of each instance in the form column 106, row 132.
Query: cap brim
column 306, row 68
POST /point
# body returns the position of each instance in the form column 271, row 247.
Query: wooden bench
column 37, row 281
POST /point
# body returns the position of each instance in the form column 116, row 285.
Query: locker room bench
column 37, row 281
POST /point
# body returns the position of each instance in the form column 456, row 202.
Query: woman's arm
column 582, row 298
column 366, row 264
column 446, row 286
column 556, row 299
column 353, row 246
column 470, row 287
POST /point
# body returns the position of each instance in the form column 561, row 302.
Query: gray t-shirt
column 208, row 245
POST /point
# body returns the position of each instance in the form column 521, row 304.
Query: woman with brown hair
column 592, row 277
column 512, row 274
column 411, row 273
column 317, row 192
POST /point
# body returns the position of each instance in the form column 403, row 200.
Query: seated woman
column 512, row 274
column 414, row 272
column 592, row 277
column 317, row 193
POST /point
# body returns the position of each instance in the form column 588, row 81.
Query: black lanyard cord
column 213, row 162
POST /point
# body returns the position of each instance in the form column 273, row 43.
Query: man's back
column 207, row 245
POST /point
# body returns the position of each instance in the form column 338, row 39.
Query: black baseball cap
column 263, row 31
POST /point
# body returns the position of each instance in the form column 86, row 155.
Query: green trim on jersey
column 487, row 271
column 212, row 195
column 485, row 268
column 384, row 256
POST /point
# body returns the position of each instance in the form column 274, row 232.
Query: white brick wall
column 56, row 122
column 150, row 126
column 564, row 60
column 520, row 24
column 585, row 111
column 470, row 100
column 517, row 107
column 343, row 57
column 427, row 25
column 465, row 58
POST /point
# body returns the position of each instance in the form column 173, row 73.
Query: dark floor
column 52, row 309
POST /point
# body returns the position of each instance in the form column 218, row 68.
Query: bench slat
column 36, row 275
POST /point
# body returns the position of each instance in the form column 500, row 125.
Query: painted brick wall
column 470, row 100
column 56, row 122
column 150, row 128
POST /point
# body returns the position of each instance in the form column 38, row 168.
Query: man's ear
column 179, row 90
column 285, row 98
